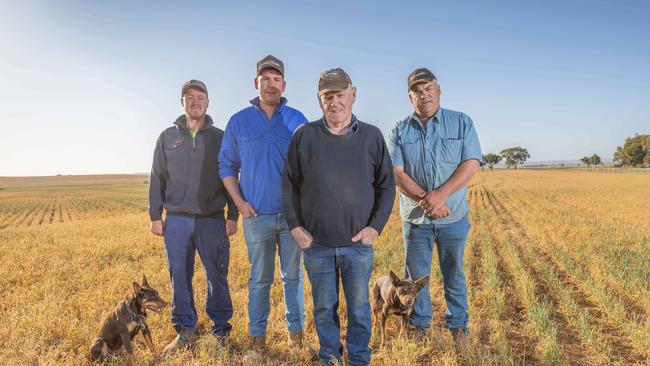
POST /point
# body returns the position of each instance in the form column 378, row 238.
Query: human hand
column 157, row 227
column 443, row 211
column 231, row 227
column 367, row 235
column 303, row 237
column 246, row 210
column 432, row 201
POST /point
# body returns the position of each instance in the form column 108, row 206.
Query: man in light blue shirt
column 251, row 162
column 435, row 152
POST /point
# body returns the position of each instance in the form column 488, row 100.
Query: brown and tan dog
column 394, row 296
column 127, row 319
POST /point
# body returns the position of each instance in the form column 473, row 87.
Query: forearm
column 233, row 211
column 232, row 186
column 407, row 185
column 459, row 179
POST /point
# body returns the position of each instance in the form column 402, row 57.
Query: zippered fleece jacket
column 185, row 173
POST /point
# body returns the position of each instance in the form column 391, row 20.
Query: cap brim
column 196, row 87
column 420, row 81
column 328, row 90
column 269, row 67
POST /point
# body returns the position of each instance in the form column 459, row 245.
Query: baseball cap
column 421, row 75
column 333, row 80
column 194, row 84
column 270, row 62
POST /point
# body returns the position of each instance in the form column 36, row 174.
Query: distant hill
column 69, row 180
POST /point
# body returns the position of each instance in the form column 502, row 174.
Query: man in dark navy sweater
column 338, row 193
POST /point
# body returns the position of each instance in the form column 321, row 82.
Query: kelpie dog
column 127, row 319
column 391, row 295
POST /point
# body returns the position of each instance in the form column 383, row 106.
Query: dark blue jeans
column 353, row 266
column 418, row 246
column 184, row 236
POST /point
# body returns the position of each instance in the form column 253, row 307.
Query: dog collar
column 133, row 317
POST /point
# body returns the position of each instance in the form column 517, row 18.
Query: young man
column 185, row 182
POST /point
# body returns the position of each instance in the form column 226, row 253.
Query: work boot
column 461, row 341
column 295, row 339
column 258, row 343
column 182, row 340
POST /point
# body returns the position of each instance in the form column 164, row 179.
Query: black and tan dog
column 394, row 296
column 127, row 319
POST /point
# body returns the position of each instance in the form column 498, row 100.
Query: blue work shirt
column 255, row 148
column 430, row 156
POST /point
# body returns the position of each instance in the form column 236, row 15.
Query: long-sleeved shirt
column 185, row 174
column 335, row 185
column 254, row 147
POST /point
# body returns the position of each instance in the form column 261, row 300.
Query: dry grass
column 558, row 271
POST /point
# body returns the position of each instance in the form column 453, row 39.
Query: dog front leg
column 405, row 322
column 146, row 333
column 383, row 316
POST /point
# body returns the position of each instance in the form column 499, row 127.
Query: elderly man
column 435, row 153
column 185, row 181
column 338, row 194
column 251, row 160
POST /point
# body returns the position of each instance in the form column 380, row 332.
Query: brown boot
column 295, row 339
column 182, row 340
column 258, row 343
column 461, row 341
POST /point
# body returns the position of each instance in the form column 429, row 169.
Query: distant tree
column 515, row 156
column 591, row 160
column 635, row 152
column 595, row 159
column 491, row 159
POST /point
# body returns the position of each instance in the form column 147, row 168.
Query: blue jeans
column 353, row 266
column 418, row 246
column 263, row 233
column 184, row 236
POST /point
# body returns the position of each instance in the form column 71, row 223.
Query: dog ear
column 394, row 279
column 136, row 288
column 422, row 282
column 144, row 281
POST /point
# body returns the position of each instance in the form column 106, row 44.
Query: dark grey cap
column 333, row 80
column 194, row 84
column 421, row 75
column 270, row 62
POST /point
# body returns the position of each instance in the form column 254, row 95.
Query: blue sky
column 87, row 86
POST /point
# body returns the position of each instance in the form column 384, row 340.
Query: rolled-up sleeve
column 471, row 145
column 229, row 161
column 394, row 148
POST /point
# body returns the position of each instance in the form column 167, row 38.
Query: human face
column 425, row 98
column 337, row 105
column 270, row 85
column 195, row 103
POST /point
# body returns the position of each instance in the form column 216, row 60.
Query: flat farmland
column 558, row 267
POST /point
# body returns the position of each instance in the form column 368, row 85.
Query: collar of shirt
column 434, row 118
column 352, row 127
column 256, row 102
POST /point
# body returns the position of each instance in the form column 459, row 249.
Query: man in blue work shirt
column 254, row 148
column 435, row 152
